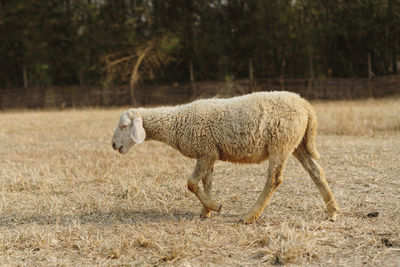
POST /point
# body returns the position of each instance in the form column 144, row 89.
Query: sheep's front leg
column 203, row 168
column 274, row 180
column 207, row 184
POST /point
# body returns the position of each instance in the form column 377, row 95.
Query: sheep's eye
column 122, row 127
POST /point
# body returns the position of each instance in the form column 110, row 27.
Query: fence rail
column 86, row 96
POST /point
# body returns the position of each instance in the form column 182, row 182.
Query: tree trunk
column 370, row 73
column 135, row 73
column 25, row 76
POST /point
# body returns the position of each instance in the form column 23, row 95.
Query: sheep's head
column 129, row 131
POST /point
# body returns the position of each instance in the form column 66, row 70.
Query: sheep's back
column 241, row 129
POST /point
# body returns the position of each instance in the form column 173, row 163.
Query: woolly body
column 241, row 129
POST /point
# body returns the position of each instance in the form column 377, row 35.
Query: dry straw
column 66, row 198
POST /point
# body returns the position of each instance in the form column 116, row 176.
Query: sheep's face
column 129, row 132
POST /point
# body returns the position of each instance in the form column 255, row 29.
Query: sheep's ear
column 138, row 134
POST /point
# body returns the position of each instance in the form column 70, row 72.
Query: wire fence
column 89, row 96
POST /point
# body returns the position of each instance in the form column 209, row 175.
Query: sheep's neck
column 158, row 124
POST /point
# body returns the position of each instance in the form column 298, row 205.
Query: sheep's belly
column 255, row 157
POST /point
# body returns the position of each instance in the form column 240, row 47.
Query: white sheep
column 245, row 129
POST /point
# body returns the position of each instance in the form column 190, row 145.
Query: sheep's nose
column 114, row 146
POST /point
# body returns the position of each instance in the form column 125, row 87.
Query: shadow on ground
column 100, row 218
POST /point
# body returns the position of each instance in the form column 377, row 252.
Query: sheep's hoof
column 332, row 217
column 205, row 213
column 205, row 217
column 246, row 220
column 332, row 213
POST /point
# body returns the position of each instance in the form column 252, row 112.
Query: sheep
column 245, row 129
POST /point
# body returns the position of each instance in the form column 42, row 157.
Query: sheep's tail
column 311, row 133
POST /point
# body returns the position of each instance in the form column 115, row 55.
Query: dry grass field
column 67, row 198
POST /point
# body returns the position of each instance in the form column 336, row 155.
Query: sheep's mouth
column 120, row 149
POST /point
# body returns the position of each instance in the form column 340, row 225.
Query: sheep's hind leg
column 317, row 175
column 207, row 184
column 203, row 169
column 275, row 169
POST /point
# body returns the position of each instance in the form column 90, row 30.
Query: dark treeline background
column 113, row 42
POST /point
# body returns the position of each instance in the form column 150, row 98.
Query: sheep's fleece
column 244, row 129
